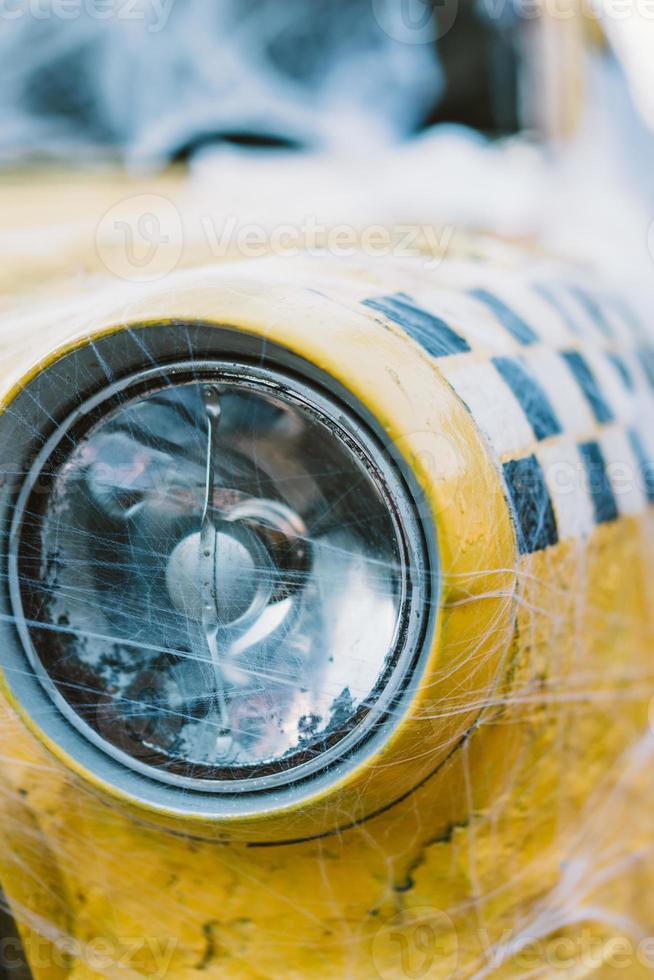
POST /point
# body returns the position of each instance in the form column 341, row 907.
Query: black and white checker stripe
column 559, row 378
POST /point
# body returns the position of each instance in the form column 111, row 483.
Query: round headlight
column 213, row 570
column 249, row 584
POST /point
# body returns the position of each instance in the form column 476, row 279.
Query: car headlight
column 217, row 578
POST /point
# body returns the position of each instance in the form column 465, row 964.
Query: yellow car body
column 504, row 829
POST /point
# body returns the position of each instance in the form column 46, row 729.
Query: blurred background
column 153, row 81
column 150, row 81
column 530, row 119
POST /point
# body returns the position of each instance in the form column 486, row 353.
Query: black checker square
column 589, row 385
column 433, row 334
column 601, row 492
column 510, row 320
column 530, row 395
column 532, row 506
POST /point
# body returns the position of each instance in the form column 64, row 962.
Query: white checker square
column 623, row 471
column 470, row 319
column 491, row 403
column 563, row 391
column 567, row 483
column 618, row 398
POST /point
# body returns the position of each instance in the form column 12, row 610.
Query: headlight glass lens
column 215, row 579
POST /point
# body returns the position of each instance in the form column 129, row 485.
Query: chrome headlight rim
column 237, row 355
